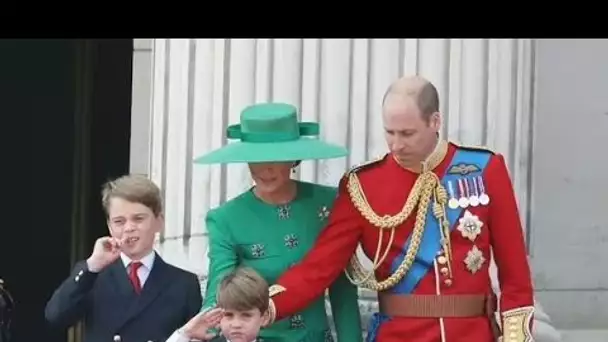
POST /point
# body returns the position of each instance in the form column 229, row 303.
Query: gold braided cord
column 427, row 188
column 384, row 222
column 363, row 279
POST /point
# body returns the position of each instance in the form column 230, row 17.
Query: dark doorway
column 77, row 94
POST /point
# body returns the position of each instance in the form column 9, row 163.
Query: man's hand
column 197, row 326
column 105, row 252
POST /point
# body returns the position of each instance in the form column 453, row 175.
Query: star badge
column 469, row 226
column 474, row 260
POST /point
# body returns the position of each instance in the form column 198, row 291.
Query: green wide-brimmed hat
column 270, row 132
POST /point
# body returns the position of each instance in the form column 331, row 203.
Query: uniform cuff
column 517, row 324
column 82, row 274
column 272, row 310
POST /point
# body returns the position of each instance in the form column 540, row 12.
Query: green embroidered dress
column 247, row 231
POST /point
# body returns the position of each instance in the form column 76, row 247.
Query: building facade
column 493, row 92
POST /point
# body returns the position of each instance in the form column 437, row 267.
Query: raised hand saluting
column 198, row 326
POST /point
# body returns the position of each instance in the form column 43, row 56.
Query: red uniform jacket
column 386, row 186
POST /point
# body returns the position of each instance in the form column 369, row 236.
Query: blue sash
column 431, row 239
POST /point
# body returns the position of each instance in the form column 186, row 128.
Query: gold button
column 442, row 260
column 448, row 282
column 444, row 270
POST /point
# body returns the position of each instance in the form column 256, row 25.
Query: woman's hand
column 197, row 326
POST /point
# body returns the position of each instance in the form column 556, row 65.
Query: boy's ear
column 160, row 223
column 266, row 318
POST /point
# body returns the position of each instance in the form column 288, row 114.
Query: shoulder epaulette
column 475, row 148
column 366, row 164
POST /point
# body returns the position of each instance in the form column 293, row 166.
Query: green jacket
column 247, row 231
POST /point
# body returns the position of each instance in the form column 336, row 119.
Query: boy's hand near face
column 105, row 251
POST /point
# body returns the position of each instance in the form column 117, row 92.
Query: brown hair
column 242, row 290
column 133, row 188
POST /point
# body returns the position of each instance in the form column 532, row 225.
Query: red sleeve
column 307, row 280
column 508, row 245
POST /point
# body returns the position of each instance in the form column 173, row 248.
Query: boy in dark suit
column 124, row 290
column 242, row 300
column 7, row 306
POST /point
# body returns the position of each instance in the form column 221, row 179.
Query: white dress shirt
column 177, row 336
column 144, row 271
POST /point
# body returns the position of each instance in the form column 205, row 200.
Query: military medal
column 474, row 194
column 463, row 201
column 484, row 199
column 453, row 202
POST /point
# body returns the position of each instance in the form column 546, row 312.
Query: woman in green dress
column 272, row 225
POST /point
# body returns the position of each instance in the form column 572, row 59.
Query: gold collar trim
column 433, row 160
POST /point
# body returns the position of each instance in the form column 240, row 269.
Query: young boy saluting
column 242, row 301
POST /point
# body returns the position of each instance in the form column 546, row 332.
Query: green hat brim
column 248, row 152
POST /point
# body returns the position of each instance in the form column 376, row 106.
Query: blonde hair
column 133, row 188
column 242, row 290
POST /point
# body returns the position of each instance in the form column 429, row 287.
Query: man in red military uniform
column 428, row 214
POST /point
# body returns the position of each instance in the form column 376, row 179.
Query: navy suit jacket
column 111, row 309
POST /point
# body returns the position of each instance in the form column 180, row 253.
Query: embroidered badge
column 463, row 169
column 474, row 260
column 469, row 226
column 291, row 241
column 257, row 250
column 323, row 213
column 283, row 212
column 296, row 322
column 328, row 336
